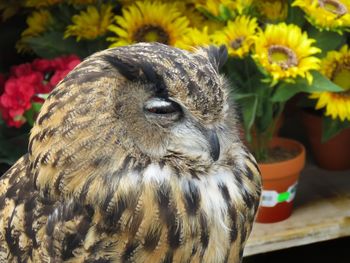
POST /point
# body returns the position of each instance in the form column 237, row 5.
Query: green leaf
column 320, row 83
column 209, row 15
column 263, row 91
column 266, row 118
column 285, row 91
column 331, row 127
column 243, row 96
column 295, row 15
column 31, row 114
column 52, row 44
column 37, row 106
column 249, row 104
column 224, row 12
column 326, row 40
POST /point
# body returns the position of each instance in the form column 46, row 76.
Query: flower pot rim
column 288, row 167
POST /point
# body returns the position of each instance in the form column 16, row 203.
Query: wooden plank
column 321, row 212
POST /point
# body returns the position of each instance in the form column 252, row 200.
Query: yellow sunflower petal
column 333, row 15
column 37, row 22
column 91, row 23
column 336, row 67
column 272, row 10
column 145, row 22
column 285, row 52
column 194, row 39
column 237, row 35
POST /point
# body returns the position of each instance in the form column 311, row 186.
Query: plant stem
column 261, row 139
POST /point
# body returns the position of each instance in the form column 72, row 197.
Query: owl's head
column 143, row 100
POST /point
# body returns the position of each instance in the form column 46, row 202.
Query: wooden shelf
column 321, row 212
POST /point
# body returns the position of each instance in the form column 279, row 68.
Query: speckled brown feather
column 102, row 183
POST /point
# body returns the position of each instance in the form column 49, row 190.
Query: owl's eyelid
column 162, row 106
column 157, row 103
column 162, row 111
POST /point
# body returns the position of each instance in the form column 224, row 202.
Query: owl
column 134, row 157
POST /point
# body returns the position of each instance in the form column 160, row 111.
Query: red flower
column 42, row 65
column 28, row 80
column 58, row 76
column 65, row 62
column 18, row 93
column 16, row 100
column 64, row 65
column 20, row 70
column 12, row 122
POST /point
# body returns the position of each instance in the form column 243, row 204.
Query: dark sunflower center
column 341, row 77
column 237, row 43
column 283, row 56
column 346, row 93
column 333, row 6
column 150, row 33
column 341, row 95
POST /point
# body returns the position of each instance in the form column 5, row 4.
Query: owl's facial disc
column 163, row 111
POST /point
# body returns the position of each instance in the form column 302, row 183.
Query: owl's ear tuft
column 216, row 55
column 141, row 71
column 125, row 68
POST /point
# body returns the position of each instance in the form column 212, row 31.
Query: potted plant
column 328, row 121
column 280, row 60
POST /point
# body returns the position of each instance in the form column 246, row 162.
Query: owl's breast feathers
column 153, row 215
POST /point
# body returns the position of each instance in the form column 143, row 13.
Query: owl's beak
column 214, row 145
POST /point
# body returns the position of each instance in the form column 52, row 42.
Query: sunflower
column 336, row 67
column 91, row 23
column 272, row 10
column 146, row 22
column 333, row 15
column 37, row 22
column 237, row 35
column 195, row 38
column 285, row 52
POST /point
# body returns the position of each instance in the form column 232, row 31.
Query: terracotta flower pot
column 333, row 154
column 279, row 183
